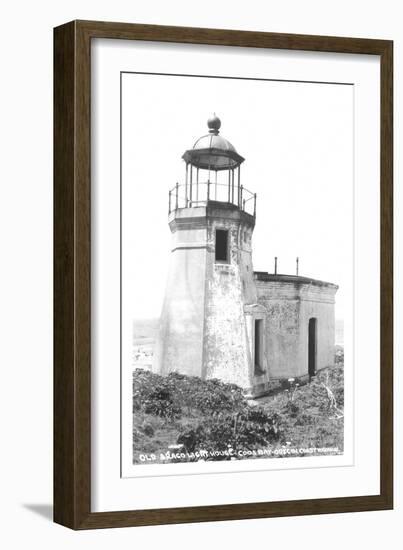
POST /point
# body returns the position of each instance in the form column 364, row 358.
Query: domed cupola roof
column 212, row 151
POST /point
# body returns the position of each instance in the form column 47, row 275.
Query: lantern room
column 213, row 174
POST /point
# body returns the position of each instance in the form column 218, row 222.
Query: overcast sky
column 297, row 141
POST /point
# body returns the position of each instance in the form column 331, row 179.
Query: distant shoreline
column 145, row 331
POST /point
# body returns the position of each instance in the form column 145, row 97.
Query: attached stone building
column 299, row 324
column 220, row 319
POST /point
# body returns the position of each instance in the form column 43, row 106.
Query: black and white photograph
column 236, row 268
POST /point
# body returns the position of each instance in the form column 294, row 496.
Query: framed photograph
column 222, row 274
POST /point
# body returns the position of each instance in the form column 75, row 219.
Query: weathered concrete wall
column 290, row 302
column 179, row 344
column 282, row 334
column 319, row 304
column 228, row 287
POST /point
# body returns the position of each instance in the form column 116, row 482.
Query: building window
column 259, row 346
column 221, row 245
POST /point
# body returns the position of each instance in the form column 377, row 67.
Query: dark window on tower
column 221, row 245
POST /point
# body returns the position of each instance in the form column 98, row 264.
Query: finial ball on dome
column 214, row 124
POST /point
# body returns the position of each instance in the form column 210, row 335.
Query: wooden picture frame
column 72, row 270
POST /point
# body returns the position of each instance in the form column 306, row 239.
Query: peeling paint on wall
column 226, row 349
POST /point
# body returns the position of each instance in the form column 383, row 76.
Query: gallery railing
column 201, row 193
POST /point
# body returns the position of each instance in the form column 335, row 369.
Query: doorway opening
column 312, row 336
column 259, row 346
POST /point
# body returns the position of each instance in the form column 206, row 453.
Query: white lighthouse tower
column 211, row 324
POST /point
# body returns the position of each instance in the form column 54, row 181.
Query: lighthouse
column 211, row 325
column 220, row 318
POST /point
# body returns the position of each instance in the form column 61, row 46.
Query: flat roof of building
column 294, row 279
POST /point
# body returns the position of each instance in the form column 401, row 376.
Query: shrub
column 306, row 419
column 161, row 403
column 147, row 429
column 248, row 430
column 214, row 416
column 176, row 393
column 153, row 394
column 292, row 408
column 339, row 355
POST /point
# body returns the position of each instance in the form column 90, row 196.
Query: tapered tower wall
column 179, row 346
column 229, row 287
